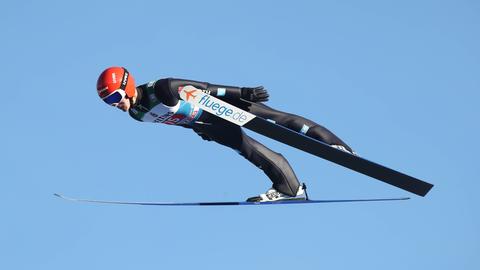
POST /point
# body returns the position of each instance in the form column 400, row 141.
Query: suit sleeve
column 221, row 91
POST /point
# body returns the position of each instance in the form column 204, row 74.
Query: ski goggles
column 115, row 97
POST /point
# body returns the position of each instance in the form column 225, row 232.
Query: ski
column 226, row 203
column 279, row 133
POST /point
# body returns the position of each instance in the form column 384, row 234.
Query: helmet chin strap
column 136, row 97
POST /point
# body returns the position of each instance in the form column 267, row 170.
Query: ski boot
column 274, row 195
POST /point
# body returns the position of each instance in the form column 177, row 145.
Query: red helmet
column 114, row 84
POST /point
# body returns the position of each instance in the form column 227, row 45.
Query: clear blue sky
column 397, row 80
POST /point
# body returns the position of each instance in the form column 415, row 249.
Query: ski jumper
column 159, row 102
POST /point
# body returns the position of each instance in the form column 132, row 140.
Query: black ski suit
column 213, row 128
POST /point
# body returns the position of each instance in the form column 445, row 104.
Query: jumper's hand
column 255, row 94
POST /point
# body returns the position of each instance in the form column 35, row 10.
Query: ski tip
column 61, row 196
